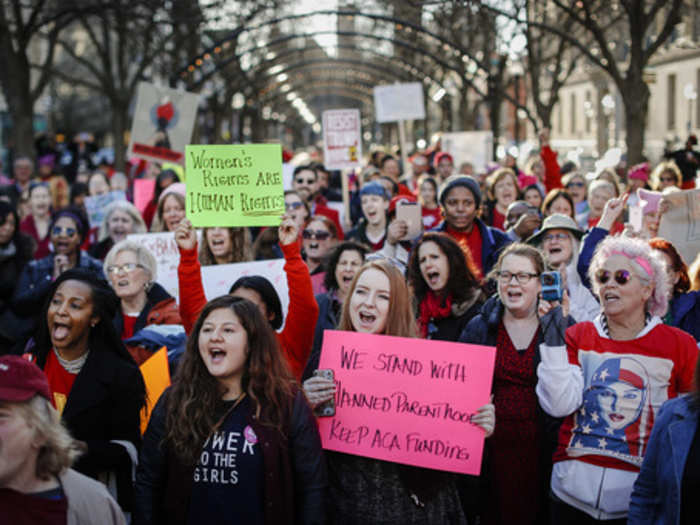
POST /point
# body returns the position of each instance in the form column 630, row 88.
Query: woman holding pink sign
column 364, row 490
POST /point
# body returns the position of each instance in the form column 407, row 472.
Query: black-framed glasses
column 315, row 234
column 292, row 205
column 621, row 277
column 522, row 277
column 126, row 267
column 58, row 230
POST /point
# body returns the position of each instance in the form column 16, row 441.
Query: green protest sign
column 234, row 185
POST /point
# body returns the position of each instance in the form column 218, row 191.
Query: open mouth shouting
column 367, row 320
column 59, row 332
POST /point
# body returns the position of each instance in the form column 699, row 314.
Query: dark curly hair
column 329, row 280
column 195, row 392
column 463, row 278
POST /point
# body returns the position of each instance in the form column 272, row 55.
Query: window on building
column 671, row 101
column 573, row 113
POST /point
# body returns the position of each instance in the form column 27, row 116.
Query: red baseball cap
column 20, row 380
column 400, row 198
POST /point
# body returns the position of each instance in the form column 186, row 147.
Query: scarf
column 430, row 310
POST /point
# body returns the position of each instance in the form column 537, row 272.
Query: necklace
column 74, row 366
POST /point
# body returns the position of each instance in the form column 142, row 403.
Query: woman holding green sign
column 364, row 490
column 298, row 334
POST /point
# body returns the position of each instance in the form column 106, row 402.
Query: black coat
column 482, row 330
column 451, row 327
column 104, row 406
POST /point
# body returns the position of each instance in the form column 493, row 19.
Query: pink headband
column 639, row 260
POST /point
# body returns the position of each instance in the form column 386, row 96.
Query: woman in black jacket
column 520, row 451
column 446, row 287
column 233, row 440
column 95, row 385
column 15, row 252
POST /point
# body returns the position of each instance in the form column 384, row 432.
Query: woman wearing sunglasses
column 319, row 237
column 131, row 270
column 520, row 449
column 558, row 240
column 575, row 184
column 67, row 231
column 608, row 378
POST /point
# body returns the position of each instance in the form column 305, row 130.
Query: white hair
column 143, row 256
column 128, row 208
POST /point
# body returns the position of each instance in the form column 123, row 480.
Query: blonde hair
column 128, row 208
column 143, row 255
column 58, row 450
column 663, row 167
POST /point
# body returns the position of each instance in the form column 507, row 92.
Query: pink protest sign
column 407, row 400
column 143, row 192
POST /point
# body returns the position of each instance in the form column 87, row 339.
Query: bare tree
column 618, row 36
column 26, row 28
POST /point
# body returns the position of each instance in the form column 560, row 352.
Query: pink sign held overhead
column 407, row 400
column 144, row 189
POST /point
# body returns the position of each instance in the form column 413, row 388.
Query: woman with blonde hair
column 121, row 219
column 665, row 175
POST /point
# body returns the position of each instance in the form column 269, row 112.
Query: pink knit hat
column 639, row 171
column 175, row 187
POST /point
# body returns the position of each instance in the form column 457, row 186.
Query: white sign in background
column 216, row 279
column 469, row 146
column 394, row 102
column 342, row 139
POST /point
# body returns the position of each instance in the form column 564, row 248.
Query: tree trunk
column 22, row 114
column 635, row 97
column 120, row 118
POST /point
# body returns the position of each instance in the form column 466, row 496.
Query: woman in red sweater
column 297, row 336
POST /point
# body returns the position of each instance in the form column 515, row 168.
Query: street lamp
column 690, row 94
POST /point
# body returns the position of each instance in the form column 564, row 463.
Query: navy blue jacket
column 588, row 245
column 493, row 241
column 685, row 313
column 327, row 320
column 656, row 497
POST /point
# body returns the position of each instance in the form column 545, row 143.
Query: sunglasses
column 305, row 181
column 621, row 277
column 576, row 184
column 58, row 230
column 126, row 267
column 667, row 179
column 315, row 234
column 292, row 205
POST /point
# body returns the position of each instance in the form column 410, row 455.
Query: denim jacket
column 656, row 498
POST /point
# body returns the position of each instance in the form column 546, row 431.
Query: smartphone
column 412, row 213
column 327, row 409
column 551, row 286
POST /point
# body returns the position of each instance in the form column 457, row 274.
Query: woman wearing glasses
column 67, row 230
column 666, row 175
column 608, row 378
column 520, row 449
column 131, row 270
column 319, row 237
column 558, row 240
column 575, row 184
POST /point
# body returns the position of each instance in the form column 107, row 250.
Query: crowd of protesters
column 595, row 396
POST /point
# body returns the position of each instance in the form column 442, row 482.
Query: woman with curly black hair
column 445, row 284
column 233, row 440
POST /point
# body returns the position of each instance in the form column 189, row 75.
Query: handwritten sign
column 407, row 400
column 469, row 146
column 216, row 279
column 96, row 206
column 342, row 139
column 163, row 122
column 681, row 223
column 234, row 185
column 394, row 102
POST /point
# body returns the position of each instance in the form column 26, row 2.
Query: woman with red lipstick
column 443, row 278
column 95, row 385
column 521, row 448
column 364, row 490
column 233, row 440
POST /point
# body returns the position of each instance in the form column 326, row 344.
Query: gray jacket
column 89, row 501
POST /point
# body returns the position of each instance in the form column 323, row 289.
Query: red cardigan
column 297, row 336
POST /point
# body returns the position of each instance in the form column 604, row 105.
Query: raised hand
column 185, row 235
column 288, row 231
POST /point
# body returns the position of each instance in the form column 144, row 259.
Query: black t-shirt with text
column 228, row 481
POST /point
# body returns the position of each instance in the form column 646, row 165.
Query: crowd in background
column 595, row 401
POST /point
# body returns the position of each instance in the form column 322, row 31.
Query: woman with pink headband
column 608, row 378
